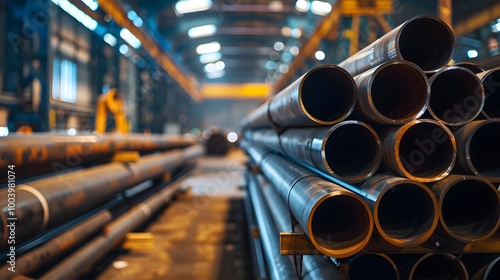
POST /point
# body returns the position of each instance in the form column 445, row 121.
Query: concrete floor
column 201, row 235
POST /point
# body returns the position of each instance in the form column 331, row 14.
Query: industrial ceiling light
column 321, row 8
column 191, row 6
column 208, row 48
column 128, row 37
column 320, row 55
column 132, row 15
column 279, row 46
column 286, row 31
column 125, row 50
column 110, row 39
column 202, row 31
column 209, row 68
column 78, row 14
column 210, row 57
column 220, row 65
column 302, row 6
column 297, row 33
column 216, row 74
column 275, row 6
column 283, row 68
column 472, row 53
column 92, row 4
column 294, row 50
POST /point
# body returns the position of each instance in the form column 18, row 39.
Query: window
column 64, row 80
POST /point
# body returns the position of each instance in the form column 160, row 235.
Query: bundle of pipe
column 431, row 266
column 42, row 204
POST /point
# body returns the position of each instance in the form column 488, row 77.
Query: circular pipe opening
column 427, row 151
column 470, row 210
column 405, row 215
column 427, row 42
column 328, row 94
column 457, row 96
column 373, row 267
column 491, row 84
column 399, row 92
column 438, row 266
column 341, row 225
column 353, row 152
column 484, row 151
column 493, row 270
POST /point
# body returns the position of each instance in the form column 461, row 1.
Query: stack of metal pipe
column 389, row 155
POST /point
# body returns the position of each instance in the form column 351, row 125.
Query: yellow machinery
column 110, row 101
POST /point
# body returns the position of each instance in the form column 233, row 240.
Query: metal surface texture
column 80, row 261
column 372, row 266
column 482, row 267
column 395, row 92
column 478, row 149
column 405, row 211
column 47, row 202
column 491, row 82
column 424, row 40
column 280, row 266
column 325, row 95
column 422, row 150
column 475, row 68
column 457, row 96
column 469, row 207
column 313, row 200
column 350, row 151
column 42, row 256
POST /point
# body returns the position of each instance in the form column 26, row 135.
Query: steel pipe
column 405, row 212
column 323, row 96
column 314, row 267
column 471, row 66
column 482, row 267
column 438, row 266
column 395, row 92
column 372, row 266
column 422, row 150
column 350, row 151
column 48, row 202
column 43, row 255
column 424, row 40
column 469, row 207
column 280, row 267
column 491, row 82
column 478, row 149
column 313, row 201
column 87, row 256
column 457, row 96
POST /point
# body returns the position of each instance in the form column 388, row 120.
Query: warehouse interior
column 250, row 139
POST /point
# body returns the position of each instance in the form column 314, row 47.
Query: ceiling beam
column 328, row 25
column 477, row 20
column 187, row 83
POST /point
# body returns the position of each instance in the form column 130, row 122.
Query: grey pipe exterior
column 491, row 82
column 424, row 40
column 337, row 221
column 323, row 96
column 48, row 202
column 422, row 150
column 457, row 96
column 77, row 264
column 350, row 151
column 469, row 207
column 395, row 92
column 43, row 255
column 280, row 266
column 478, row 149
column 315, row 267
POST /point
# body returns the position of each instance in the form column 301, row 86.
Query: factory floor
column 201, row 235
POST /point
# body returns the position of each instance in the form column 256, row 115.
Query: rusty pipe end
column 469, row 206
column 426, row 41
column 352, row 151
column 340, row 224
column 457, row 96
column 405, row 213
column 438, row 266
column 327, row 94
column 421, row 150
column 397, row 93
column 491, row 82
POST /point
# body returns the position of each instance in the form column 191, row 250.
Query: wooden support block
column 138, row 241
column 126, row 156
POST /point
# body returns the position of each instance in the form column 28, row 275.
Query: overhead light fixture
column 275, row 6
column 297, row 33
column 220, row 65
column 287, row 57
column 78, row 14
column 208, row 48
column 210, row 57
column 302, row 6
column 286, row 31
column 128, row 37
column 125, row 50
column 279, row 46
column 284, row 68
column 232, row 137
column 71, row 132
column 320, row 55
column 209, row 68
column 191, row 6
column 110, row 39
column 321, row 8
column 270, row 65
column 136, row 19
column 472, row 53
column 274, row 55
column 294, row 50
column 4, row 131
column 92, row 4
column 216, row 74
column 202, row 31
